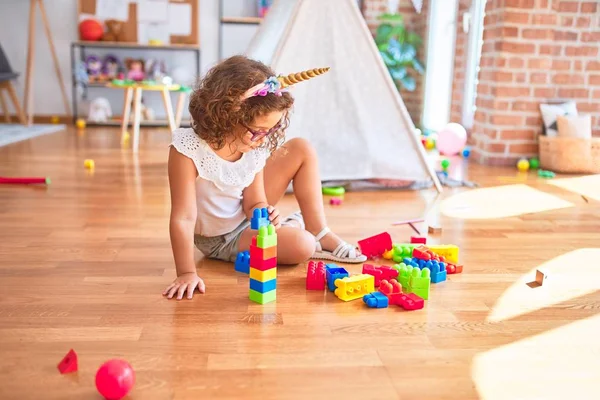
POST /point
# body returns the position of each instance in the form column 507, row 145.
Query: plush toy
column 111, row 67
column 100, row 110
column 155, row 70
column 93, row 66
column 135, row 69
column 114, row 31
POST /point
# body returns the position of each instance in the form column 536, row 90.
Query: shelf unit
column 81, row 47
column 225, row 20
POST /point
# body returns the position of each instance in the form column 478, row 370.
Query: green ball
column 445, row 164
column 534, row 163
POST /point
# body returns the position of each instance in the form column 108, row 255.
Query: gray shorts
column 222, row 247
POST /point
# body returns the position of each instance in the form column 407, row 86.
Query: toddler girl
column 231, row 162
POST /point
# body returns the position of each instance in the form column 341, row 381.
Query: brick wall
column 460, row 63
column 534, row 51
column 414, row 22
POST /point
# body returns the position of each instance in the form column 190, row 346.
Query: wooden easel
column 28, row 98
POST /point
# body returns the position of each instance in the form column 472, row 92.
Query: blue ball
column 466, row 152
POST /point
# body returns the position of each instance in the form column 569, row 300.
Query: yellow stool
column 133, row 91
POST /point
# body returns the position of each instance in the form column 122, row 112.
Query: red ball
column 91, row 30
column 114, row 379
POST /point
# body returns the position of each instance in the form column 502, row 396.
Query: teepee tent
column 353, row 115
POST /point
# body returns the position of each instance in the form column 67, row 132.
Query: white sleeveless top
column 220, row 182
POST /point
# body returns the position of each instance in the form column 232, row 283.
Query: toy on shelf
column 418, row 240
column 90, row 30
column 376, row 245
column 111, row 67
column 93, row 67
column 523, row 165
column 263, row 264
column 23, row 181
column 100, row 110
column 315, row 275
column 376, row 300
column 380, row 273
column 114, row 379
column 410, row 302
column 68, row 363
column 354, row 287
column 335, row 201
column 114, row 31
column 242, row 262
column 156, row 70
column 135, row 69
column 333, row 272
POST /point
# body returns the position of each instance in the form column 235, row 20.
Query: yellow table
column 134, row 91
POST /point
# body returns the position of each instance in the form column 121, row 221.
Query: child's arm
column 182, row 181
column 254, row 196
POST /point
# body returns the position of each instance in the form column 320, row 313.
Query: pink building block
column 376, row 245
column 418, row 239
column 315, row 276
column 380, row 273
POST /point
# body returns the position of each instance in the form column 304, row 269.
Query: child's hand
column 274, row 217
column 189, row 282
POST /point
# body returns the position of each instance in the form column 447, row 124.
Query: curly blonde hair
column 217, row 109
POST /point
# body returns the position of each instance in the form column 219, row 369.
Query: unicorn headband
column 278, row 84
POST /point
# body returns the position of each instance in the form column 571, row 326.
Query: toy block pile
column 263, row 259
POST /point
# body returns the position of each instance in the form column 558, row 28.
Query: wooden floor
column 83, row 264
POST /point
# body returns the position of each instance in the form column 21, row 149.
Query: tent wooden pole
column 28, row 96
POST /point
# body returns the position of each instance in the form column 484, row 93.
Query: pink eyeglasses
column 258, row 135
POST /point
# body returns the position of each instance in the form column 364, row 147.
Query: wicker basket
column 570, row 155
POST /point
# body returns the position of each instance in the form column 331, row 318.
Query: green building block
column 420, row 282
column 266, row 237
column 263, row 298
column 401, row 251
column 404, row 274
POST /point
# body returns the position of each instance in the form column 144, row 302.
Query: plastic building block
column 448, row 251
column 546, row 174
column 263, row 265
column 68, row 363
column 333, row 272
column 434, row 230
column 263, row 298
column 392, row 289
column 354, row 287
column 422, row 253
column 263, row 287
column 242, row 262
column 376, row 245
column 401, row 251
column 404, row 274
column 375, row 300
column 418, row 239
column 420, row 282
column 411, row 302
column 388, row 254
column 315, row 276
column 453, row 268
column 266, row 237
column 263, row 276
column 438, row 271
column 258, row 253
column 379, row 273
column 260, row 217
column 336, row 201
column 540, row 277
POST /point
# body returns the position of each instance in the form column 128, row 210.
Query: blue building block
column 242, row 262
column 376, row 300
column 263, row 287
column 260, row 217
column 333, row 272
column 438, row 271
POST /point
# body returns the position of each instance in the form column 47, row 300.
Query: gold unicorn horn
column 292, row 79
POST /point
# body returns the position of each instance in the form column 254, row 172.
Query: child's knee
column 301, row 250
column 301, row 146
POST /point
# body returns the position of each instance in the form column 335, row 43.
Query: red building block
column 454, row 269
column 263, row 265
column 379, row 273
column 392, row 289
column 315, row 276
column 376, row 245
column 423, row 253
column 68, row 363
column 418, row 239
column 411, row 302
column 257, row 253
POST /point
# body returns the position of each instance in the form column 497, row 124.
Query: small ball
column 466, row 152
column 445, row 164
column 114, row 379
column 80, row 123
column 55, row 119
column 523, row 165
column 125, row 138
column 534, row 163
column 89, row 164
column 429, row 144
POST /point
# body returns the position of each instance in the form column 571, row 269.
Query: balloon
column 452, row 139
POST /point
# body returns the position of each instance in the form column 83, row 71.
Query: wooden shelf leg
column 137, row 110
column 168, row 108
column 179, row 109
column 126, row 111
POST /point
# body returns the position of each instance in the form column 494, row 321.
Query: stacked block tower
column 263, row 259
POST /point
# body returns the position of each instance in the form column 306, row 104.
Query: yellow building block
column 449, row 251
column 263, row 276
column 354, row 287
